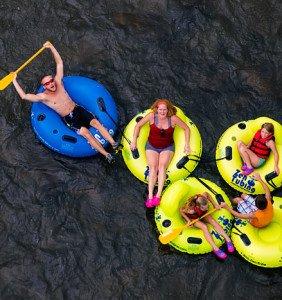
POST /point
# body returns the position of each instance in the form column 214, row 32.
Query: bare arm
column 272, row 146
column 235, row 213
column 137, row 129
column 176, row 120
column 257, row 177
column 58, row 60
column 24, row 96
column 184, row 215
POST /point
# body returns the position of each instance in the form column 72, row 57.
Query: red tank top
column 197, row 213
column 258, row 145
column 160, row 138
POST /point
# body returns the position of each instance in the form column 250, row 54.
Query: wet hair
column 261, row 202
column 45, row 77
column 202, row 201
column 269, row 127
column 171, row 109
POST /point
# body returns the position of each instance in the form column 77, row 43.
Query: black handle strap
column 244, row 238
column 218, row 196
column 102, row 107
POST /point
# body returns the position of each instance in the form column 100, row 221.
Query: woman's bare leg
column 207, row 234
column 152, row 161
column 164, row 160
column 209, row 219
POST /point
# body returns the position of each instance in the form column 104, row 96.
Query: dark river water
column 77, row 228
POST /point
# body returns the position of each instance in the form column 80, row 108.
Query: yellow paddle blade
column 9, row 78
column 4, row 82
column 169, row 236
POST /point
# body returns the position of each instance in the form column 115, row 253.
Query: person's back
column 262, row 217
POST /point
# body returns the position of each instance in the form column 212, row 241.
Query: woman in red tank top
column 256, row 152
column 160, row 144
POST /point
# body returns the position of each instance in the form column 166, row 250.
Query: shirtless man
column 76, row 117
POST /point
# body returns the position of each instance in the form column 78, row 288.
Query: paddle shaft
column 167, row 237
column 4, row 82
column 196, row 220
column 29, row 60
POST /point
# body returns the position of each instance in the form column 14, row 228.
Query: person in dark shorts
column 77, row 117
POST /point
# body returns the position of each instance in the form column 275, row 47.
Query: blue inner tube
column 55, row 134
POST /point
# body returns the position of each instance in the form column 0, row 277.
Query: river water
column 77, row 228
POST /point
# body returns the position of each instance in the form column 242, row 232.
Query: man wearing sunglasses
column 75, row 116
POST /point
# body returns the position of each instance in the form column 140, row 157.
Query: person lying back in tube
column 160, row 144
column 75, row 116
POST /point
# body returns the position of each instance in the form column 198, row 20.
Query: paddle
column 4, row 82
column 102, row 107
column 167, row 237
column 181, row 164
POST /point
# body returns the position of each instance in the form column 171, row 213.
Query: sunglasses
column 162, row 133
column 48, row 82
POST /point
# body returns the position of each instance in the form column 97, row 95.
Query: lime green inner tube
column 139, row 167
column 167, row 216
column 260, row 246
column 231, row 170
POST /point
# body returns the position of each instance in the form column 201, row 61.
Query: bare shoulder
column 45, row 97
column 175, row 120
column 59, row 81
column 270, row 143
column 41, row 96
column 149, row 117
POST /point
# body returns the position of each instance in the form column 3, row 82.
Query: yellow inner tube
column 168, row 217
column 139, row 167
column 231, row 170
column 260, row 246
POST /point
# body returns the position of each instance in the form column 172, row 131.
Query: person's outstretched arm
column 58, row 61
column 235, row 213
column 23, row 95
column 257, row 177
column 272, row 146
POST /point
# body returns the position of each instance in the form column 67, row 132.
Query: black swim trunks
column 78, row 118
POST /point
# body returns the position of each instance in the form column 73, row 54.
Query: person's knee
column 95, row 123
column 204, row 227
column 153, row 169
column 240, row 145
column 162, row 167
column 84, row 131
